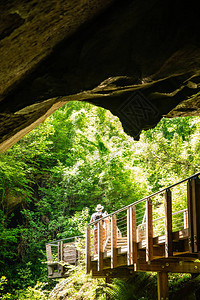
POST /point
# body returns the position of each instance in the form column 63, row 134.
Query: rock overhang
column 140, row 61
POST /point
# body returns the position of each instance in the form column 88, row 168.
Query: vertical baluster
column 113, row 241
column 76, row 258
column 88, row 250
column 168, row 224
column 100, row 245
column 149, row 231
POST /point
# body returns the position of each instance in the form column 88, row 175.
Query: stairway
column 121, row 242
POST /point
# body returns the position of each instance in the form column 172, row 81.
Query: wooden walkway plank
column 113, row 241
column 88, row 250
column 149, row 231
column 168, row 223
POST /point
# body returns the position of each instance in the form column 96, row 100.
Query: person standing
column 96, row 216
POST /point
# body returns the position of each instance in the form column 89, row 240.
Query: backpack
column 98, row 216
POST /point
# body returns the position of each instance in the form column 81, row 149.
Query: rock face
column 141, row 60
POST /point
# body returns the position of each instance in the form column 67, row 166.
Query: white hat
column 99, row 207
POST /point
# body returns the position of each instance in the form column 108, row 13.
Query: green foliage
column 170, row 151
column 76, row 225
column 33, row 293
column 3, row 283
column 140, row 286
column 53, row 178
column 78, row 286
column 184, row 286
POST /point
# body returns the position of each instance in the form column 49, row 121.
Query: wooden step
column 118, row 244
column 121, row 242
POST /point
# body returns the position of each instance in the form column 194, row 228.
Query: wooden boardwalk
column 61, row 254
column 153, row 234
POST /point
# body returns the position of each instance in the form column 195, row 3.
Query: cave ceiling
column 139, row 59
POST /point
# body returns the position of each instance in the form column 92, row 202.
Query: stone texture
column 139, row 60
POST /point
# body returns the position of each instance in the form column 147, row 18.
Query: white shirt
column 95, row 216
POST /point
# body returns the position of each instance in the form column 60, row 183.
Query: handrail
column 69, row 238
column 145, row 198
column 175, row 213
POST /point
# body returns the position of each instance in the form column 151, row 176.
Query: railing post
column 113, row 241
column 185, row 219
column 61, row 250
column 133, row 235
column 107, row 228
column 168, row 224
column 100, row 245
column 49, row 252
column 88, row 250
column 190, row 217
column 60, row 268
column 149, row 230
column 61, row 257
column 128, row 238
column 49, row 259
column 76, row 251
column 58, row 255
column 196, row 212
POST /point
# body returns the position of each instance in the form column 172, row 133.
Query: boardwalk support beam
column 163, row 288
